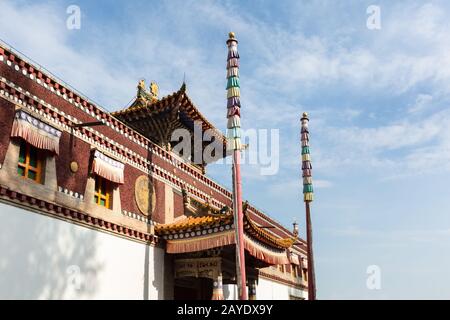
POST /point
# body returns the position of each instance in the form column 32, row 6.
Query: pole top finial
column 305, row 116
column 295, row 228
column 231, row 37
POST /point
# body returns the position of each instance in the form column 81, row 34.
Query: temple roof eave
column 178, row 101
column 221, row 223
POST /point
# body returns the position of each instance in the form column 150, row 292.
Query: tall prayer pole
column 234, row 144
column 308, row 197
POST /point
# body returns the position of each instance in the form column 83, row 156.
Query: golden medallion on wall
column 144, row 194
column 74, row 166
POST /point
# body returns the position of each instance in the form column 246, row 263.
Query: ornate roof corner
column 144, row 97
column 265, row 236
column 157, row 119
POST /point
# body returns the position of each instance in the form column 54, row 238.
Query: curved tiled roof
column 192, row 223
column 143, row 107
column 263, row 235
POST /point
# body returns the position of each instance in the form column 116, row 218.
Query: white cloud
column 422, row 102
column 40, row 32
column 412, row 146
column 401, row 237
column 419, row 38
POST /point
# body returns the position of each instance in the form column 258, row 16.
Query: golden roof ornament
column 141, row 84
column 154, row 89
column 147, row 96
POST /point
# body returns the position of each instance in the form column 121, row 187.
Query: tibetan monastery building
column 97, row 205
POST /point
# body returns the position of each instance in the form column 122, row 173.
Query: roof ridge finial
column 183, row 87
column 154, row 89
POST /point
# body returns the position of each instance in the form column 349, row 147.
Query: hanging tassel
column 233, row 101
column 232, row 72
column 233, row 111
column 233, row 54
column 306, row 165
column 307, row 180
column 232, row 63
column 234, row 144
column 233, row 133
column 306, row 157
column 232, row 82
column 234, row 121
column 308, row 196
column 233, row 92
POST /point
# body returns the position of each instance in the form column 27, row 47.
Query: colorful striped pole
column 234, row 144
column 308, row 196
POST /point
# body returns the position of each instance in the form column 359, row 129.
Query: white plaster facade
column 267, row 290
column 272, row 290
column 46, row 258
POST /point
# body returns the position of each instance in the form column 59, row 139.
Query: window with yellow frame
column 31, row 162
column 103, row 192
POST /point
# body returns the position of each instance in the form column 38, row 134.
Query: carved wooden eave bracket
column 193, row 207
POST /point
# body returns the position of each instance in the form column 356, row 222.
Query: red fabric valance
column 36, row 132
column 265, row 254
column 108, row 168
column 200, row 243
column 223, row 239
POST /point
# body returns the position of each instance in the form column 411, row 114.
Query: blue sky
column 377, row 99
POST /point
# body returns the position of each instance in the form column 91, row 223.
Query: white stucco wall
column 45, row 258
column 266, row 290
column 271, row 290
